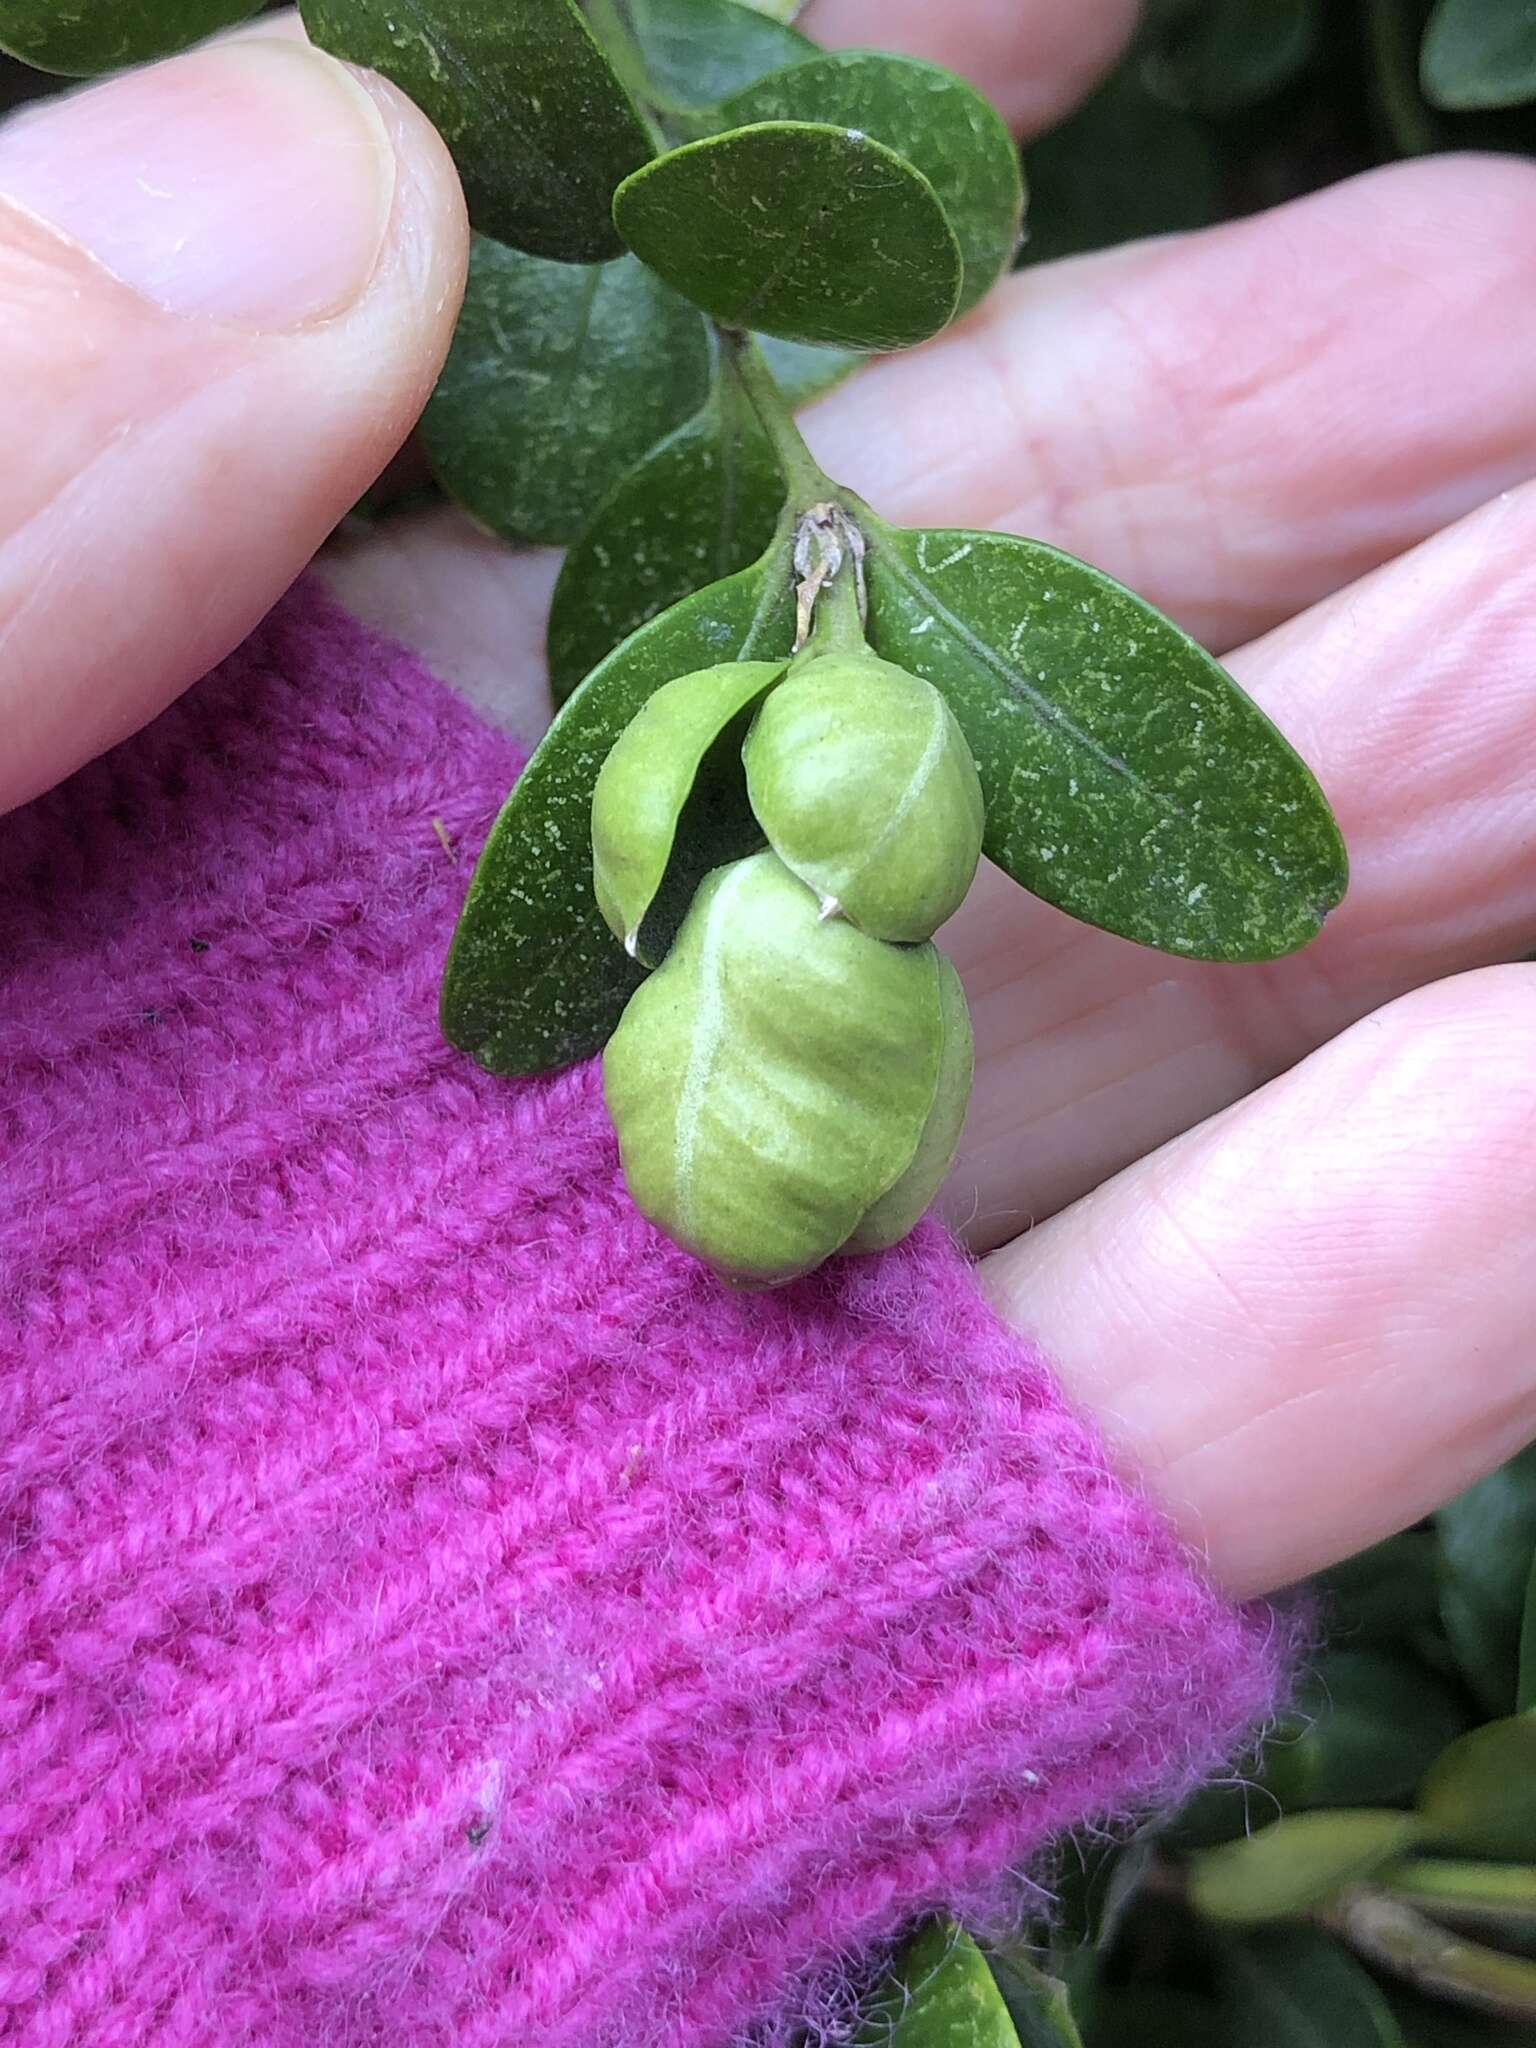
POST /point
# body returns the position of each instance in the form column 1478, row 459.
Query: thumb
column 230, row 280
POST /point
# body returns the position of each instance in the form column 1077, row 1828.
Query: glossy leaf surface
column 559, row 378
column 645, row 785
column 772, row 1079
column 697, row 52
column 932, row 119
column 87, row 36
column 943, row 1995
column 535, row 978
column 701, row 505
column 1127, row 778
column 1293, row 1987
column 1480, row 1796
column 1488, row 1535
column 802, row 230
column 508, row 88
column 1294, row 1863
column 1479, row 53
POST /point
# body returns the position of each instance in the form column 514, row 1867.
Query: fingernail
column 250, row 182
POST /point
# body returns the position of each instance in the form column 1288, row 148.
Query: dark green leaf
column 560, row 377
column 1372, row 1722
column 539, row 126
column 700, row 506
column 1157, row 2016
column 942, row 1995
column 1292, row 1987
column 697, row 52
column 929, row 117
column 688, row 732
column 1488, row 1536
column 1388, row 1592
column 1294, row 1863
column 1480, row 1796
column 1039, row 2005
column 534, row 978
column 804, row 372
column 1369, row 1723
column 1127, row 778
column 87, row 36
column 814, row 233
column 1235, row 53
column 1525, row 1691
column 1480, row 53
column 1124, row 165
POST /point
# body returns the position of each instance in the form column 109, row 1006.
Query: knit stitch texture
column 432, row 1610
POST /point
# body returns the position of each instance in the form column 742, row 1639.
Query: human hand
column 1303, row 1320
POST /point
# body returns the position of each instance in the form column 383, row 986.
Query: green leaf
column 697, row 52
column 1479, row 53
column 1294, row 1863
column 559, row 378
column 701, row 505
column 1237, row 53
column 1125, row 165
column 803, row 371
column 534, row 977
column 539, row 126
column 942, row 1995
column 1387, row 1592
column 1293, row 1987
column 1369, row 1723
column 1480, row 1796
column 1488, row 1537
column 88, row 36
column 1525, row 1691
column 1127, row 778
column 929, row 117
column 810, row 232
column 776, row 10
column 646, row 785
column 1039, row 2005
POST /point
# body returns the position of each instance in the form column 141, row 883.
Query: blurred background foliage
column 1368, row 1878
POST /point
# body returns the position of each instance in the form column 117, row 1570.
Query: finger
column 1411, row 695
column 1308, row 1322
column 1235, row 422
column 230, row 281
column 1035, row 59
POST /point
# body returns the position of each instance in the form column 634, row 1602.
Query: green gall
column 649, row 776
column 901, row 1207
column 866, row 789
column 778, row 1076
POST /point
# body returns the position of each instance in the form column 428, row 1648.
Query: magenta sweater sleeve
column 433, row 1612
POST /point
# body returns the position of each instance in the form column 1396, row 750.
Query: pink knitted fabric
column 432, row 1611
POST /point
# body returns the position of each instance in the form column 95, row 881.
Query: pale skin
column 1275, row 1227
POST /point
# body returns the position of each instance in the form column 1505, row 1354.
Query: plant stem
column 808, row 483
column 1481, row 1891
column 1397, row 1938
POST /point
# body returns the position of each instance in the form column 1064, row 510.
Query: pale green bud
column 648, row 777
column 779, row 1075
column 866, row 789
